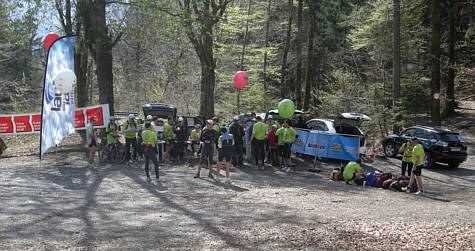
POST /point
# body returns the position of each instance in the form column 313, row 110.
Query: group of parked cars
column 440, row 145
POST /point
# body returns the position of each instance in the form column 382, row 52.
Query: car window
column 323, row 126
column 409, row 132
column 421, row 133
column 450, row 137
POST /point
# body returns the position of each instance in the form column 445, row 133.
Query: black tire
column 454, row 165
column 428, row 160
column 390, row 149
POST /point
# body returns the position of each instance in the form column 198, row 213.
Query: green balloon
column 286, row 108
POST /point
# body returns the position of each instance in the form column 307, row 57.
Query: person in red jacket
column 273, row 146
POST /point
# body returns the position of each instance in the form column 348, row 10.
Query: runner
column 169, row 137
column 91, row 141
column 285, row 138
column 149, row 148
column 274, row 147
column 406, row 150
column 226, row 147
column 258, row 137
column 418, row 163
column 270, row 122
column 195, row 140
column 130, row 128
column 181, row 132
column 112, row 133
column 208, row 136
column 238, row 133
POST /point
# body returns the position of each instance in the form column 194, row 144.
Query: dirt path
column 68, row 206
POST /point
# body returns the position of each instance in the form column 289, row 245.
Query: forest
column 384, row 58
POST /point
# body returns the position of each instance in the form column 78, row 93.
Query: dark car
column 159, row 110
column 440, row 145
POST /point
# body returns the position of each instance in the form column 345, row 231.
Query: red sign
column 97, row 112
column 436, row 96
column 79, row 118
column 36, row 122
column 6, row 125
column 22, row 123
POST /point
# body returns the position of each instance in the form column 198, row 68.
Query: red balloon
column 49, row 39
column 240, row 79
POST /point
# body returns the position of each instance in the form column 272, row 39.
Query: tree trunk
column 283, row 82
column 450, row 106
column 396, row 62
column 243, row 52
column 266, row 95
column 435, row 83
column 100, row 44
column 310, row 61
column 208, row 75
column 298, row 45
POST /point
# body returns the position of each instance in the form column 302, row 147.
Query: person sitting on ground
column 208, row 137
column 353, row 171
column 418, row 163
column 91, row 140
column 226, row 147
column 149, row 149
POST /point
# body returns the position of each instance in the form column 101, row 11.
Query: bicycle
column 111, row 151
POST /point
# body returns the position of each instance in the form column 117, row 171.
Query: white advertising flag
column 58, row 94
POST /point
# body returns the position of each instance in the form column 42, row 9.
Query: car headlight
column 442, row 143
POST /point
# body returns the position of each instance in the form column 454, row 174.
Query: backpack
column 370, row 178
column 334, row 174
column 380, row 178
column 341, row 169
column 395, row 186
column 388, row 182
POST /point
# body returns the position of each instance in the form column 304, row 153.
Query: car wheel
column 454, row 165
column 390, row 149
column 428, row 160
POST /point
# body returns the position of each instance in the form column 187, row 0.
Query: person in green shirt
column 130, row 129
column 259, row 133
column 418, row 162
column 406, row 151
column 169, row 137
column 286, row 136
column 353, row 171
column 195, row 140
column 149, row 149
column 91, row 140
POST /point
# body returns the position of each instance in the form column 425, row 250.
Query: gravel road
column 60, row 204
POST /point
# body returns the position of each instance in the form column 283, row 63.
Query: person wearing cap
column 209, row 137
column 195, row 140
column 149, row 149
column 91, row 140
column 418, row 163
column 130, row 128
column 169, row 138
column 112, row 134
column 259, row 133
column 226, row 148
column 273, row 146
column 181, row 132
column 269, row 123
column 238, row 133
column 353, row 171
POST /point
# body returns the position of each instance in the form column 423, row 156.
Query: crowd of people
column 263, row 141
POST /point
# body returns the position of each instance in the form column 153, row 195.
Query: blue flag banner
column 317, row 144
column 343, row 147
column 301, row 142
column 327, row 145
column 57, row 120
